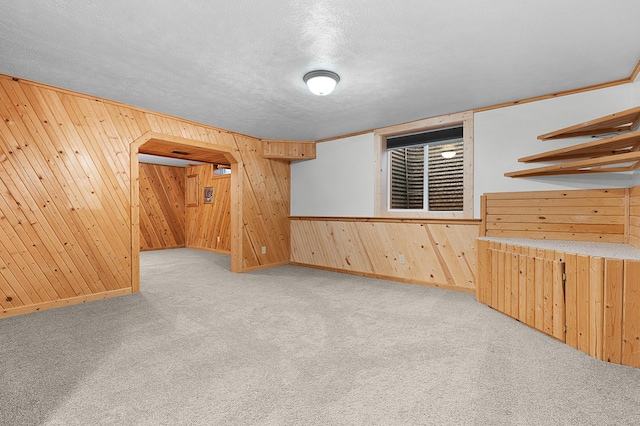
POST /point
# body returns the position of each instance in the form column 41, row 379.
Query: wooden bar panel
column 437, row 254
column 484, row 270
column 631, row 314
column 571, row 299
column 596, row 307
column 524, row 283
column 613, row 304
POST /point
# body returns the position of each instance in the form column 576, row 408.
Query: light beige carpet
column 294, row 346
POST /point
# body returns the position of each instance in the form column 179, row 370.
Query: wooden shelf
column 621, row 152
column 617, row 122
column 592, row 165
column 621, row 144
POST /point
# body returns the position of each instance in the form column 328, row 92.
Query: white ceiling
column 238, row 65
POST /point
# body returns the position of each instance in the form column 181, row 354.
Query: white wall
column 501, row 136
column 339, row 182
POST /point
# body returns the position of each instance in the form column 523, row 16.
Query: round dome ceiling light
column 321, row 83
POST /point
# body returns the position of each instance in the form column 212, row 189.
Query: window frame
column 382, row 204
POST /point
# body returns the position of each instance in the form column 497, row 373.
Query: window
column 426, row 168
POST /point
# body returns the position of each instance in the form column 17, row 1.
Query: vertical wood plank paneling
column 559, row 297
column 583, row 302
column 539, row 283
column 613, row 287
column 631, row 314
column 484, row 270
column 502, row 272
column 515, row 285
column 162, row 207
column 508, row 275
column 66, row 180
column 522, row 288
column 571, row 299
column 547, row 294
column 596, row 308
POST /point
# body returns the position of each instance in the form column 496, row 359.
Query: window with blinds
column 427, row 170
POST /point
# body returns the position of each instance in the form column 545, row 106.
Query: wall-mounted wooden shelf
column 617, row 122
column 620, row 153
column 621, row 144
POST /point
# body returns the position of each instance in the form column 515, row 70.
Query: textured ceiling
column 239, row 64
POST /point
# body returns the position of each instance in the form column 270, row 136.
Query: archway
column 186, row 149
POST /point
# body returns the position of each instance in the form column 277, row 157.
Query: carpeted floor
column 295, row 346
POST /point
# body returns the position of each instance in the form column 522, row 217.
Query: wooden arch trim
column 189, row 149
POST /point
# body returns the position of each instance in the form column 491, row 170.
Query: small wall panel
column 289, row 150
column 435, row 253
column 581, row 215
column 208, row 225
column 634, row 216
column 162, row 207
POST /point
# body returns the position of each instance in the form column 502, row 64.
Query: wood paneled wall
column 65, row 223
column 598, row 302
column 580, row 215
column 162, row 207
column 206, row 223
column 436, row 253
column 634, row 216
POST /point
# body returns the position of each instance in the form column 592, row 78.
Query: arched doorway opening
column 187, row 149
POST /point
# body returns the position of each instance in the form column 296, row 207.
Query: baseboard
column 19, row 310
column 386, row 277
column 162, row 248
column 270, row 265
column 209, row 249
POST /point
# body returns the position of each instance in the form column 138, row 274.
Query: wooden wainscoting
column 634, row 216
column 439, row 253
column 208, row 225
column 162, row 206
column 580, row 215
column 66, row 183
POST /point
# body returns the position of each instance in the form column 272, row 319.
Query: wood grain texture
column 288, row 150
column 66, row 183
column 634, row 216
column 613, row 304
column 437, row 254
column 523, row 283
column 580, row 215
column 631, row 314
column 162, row 207
column 208, row 225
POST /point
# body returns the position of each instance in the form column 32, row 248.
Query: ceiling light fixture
column 321, row 83
column 449, row 154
